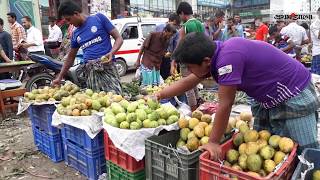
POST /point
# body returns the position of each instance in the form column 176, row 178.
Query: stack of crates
column 84, row 154
column 122, row 166
column 46, row 137
column 164, row 162
column 312, row 156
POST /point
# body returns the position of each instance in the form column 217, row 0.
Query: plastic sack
column 137, row 75
column 309, row 165
column 208, row 108
column 183, row 108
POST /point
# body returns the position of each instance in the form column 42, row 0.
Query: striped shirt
column 18, row 34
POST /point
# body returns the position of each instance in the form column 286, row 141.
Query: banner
column 214, row 3
column 22, row 8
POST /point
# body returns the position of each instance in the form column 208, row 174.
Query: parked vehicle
column 133, row 31
column 50, row 68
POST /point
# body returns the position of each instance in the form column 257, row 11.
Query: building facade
column 152, row 8
column 206, row 8
column 31, row 8
column 101, row 6
column 315, row 5
column 54, row 5
column 249, row 9
column 155, row 8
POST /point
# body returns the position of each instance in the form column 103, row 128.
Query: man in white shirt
column 315, row 37
column 34, row 42
column 297, row 34
column 55, row 37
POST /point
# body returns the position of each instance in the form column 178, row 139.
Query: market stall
column 140, row 138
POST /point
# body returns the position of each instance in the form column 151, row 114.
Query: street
column 19, row 157
column 128, row 77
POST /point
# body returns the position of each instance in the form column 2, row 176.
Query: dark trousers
column 5, row 76
column 37, row 52
column 51, row 45
column 165, row 68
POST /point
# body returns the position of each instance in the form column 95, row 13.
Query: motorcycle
column 50, row 69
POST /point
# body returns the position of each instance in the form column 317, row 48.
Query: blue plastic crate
column 41, row 117
column 311, row 155
column 50, row 145
column 89, row 163
column 81, row 138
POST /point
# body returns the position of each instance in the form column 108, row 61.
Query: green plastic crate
column 117, row 173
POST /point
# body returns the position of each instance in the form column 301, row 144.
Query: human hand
column 213, row 149
column 173, row 70
column 220, row 25
column 156, row 96
column 137, row 64
column 56, row 82
column 107, row 58
column 167, row 55
column 233, row 28
column 24, row 45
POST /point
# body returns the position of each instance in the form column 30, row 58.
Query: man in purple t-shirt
column 286, row 102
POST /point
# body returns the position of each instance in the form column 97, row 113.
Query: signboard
column 214, row 3
column 250, row 13
column 22, row 8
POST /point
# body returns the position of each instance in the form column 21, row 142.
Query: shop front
column 152, row 8
column 206, row 8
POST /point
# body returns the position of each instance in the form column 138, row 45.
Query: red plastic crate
column 210, row 170
column 120, row 158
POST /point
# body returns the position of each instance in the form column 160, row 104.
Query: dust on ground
column 19, row 158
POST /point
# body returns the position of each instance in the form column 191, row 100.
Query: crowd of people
column 26, row 38
column 265, row 66
column 288, row 36
column 285, row 101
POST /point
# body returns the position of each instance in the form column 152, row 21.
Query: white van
column 133, row 30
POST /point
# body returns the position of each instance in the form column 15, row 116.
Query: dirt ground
column 19, row 158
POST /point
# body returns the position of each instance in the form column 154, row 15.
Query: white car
column 133, row 31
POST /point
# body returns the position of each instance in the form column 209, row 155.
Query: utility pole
column 310, row 6
column 84, row 6
column 231, row 7
column 310, row 9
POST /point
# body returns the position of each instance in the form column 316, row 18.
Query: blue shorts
column 149, row 76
